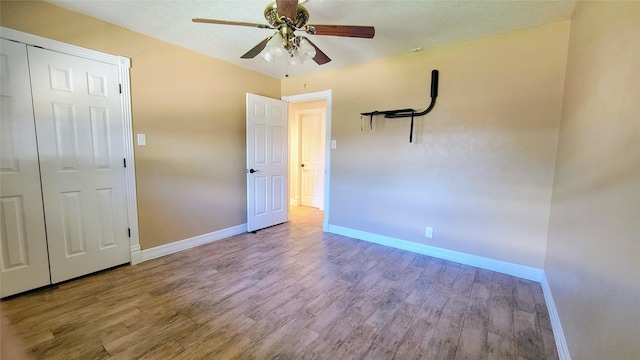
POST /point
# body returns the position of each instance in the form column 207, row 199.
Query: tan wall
column 593, row 251
column 191, row 175
column 480, row 170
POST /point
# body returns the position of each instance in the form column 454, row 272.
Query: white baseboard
column 517, row 270
column 136, row 254
column 558, row 334
column 189, row 243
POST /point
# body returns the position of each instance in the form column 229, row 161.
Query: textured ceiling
column 400, row 25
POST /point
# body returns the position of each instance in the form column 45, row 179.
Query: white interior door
column 267, row 152
column 79, row 126
column 24, row 259
column 312, row 158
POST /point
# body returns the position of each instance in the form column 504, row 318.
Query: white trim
column 58, row 46
column 321, row 95
column 136, row 254
column 123, row 64
column 558, row 334
column 189, row 243
column 130, row 171
column 504, row 267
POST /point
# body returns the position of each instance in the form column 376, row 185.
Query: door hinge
column 129, row 230
column 120, row 88
column 125, row 162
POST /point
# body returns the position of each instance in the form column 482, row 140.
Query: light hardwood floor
column 287, row 292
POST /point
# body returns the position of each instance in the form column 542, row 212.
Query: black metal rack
column 404, row 113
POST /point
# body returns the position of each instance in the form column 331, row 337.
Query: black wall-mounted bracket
column 404, row 113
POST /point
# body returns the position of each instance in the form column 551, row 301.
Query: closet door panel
column 80, row 139
column 24, row 263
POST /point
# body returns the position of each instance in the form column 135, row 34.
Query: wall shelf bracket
column 405, row 113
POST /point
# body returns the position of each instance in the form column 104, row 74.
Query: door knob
column 302, row 165
column 253, row 171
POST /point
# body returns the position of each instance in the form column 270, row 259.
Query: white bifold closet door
column 25, row 262
column 80, row 153
column 81, row 149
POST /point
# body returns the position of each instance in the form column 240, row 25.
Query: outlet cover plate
column 428, row 232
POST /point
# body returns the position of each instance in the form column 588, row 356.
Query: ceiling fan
column 287, row 17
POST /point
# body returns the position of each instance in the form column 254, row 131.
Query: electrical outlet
column 428, row 232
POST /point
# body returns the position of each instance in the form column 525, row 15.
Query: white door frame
column 321, row 95
column 124, row 64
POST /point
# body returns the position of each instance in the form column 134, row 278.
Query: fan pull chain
column 286, row 67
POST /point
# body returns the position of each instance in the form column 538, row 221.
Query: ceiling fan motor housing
column 271, row 15
column 287, row 37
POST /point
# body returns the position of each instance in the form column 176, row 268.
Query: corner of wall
column 558, row 334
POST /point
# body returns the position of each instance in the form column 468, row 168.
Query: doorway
column 307, row 126
column 306, row 216
column 309, row 150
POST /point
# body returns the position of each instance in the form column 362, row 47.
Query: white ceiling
column 400, row 25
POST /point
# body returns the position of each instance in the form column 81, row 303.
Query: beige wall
column 593, row 251
column 191, row 175
column 480, row 170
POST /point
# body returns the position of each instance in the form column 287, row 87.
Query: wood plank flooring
column 287, row 292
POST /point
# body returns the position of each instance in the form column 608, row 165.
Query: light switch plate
column 142, row 140
column 333, row 144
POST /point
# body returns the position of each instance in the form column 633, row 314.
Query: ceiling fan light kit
column 298, row 50
column 286, row 17
column 273, row 48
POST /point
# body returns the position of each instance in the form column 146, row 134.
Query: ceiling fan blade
column 256, row 49
column 345, row 30
column 320, row 58
column 287, row 8
column 225, row 22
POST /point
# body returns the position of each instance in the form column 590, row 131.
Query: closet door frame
column 123, row 64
